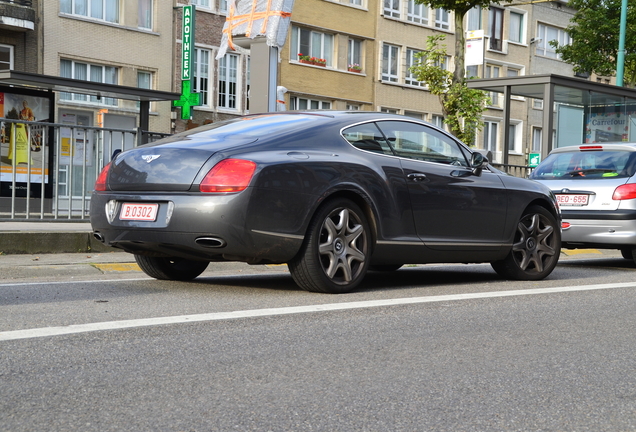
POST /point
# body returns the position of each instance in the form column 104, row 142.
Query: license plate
column 573, row 199
column 138, row 212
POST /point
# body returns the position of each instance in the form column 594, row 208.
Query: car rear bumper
column 609, row 230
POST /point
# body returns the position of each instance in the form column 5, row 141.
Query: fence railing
column 28, row 3
column 48, row 170
column 514, row 170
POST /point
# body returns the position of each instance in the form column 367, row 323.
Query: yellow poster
column 19, row 144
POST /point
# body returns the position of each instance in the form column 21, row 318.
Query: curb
column 50, row 243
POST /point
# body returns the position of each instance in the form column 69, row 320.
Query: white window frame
column 228, row 82
column 201, row 3
column 493, row 71
column 537, row 139
column 295, row 102
column 86, row 8
column 515, row 138
column 354, row 52
column 516, row 27
column 146, row 22
column 392, row 8
column 389, row 110
column 491, row 136
column 417, row 12
column 442, row 19
column 318, row 44
column 90, row 71
column 543, row 35
column 9, row 49
column 201, row 72
column 474, row 19
column 391, row 63
column 412, row 59
column 353, row 107
column 437, row 120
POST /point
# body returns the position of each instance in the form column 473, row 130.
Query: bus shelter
column 575, row 111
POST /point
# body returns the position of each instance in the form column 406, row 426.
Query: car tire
column 178, row 269
column 336, row 253
column 627, row 253
column 386, row 267
column 536, row 247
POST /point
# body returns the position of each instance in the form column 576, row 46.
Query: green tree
column 462, row 107
column 460, row 8
column 595, row 31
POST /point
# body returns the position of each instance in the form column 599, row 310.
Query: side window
column 367, row 137
column 420, row 142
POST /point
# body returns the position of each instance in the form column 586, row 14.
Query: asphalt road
column 88, row 343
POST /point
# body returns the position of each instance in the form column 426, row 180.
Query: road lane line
column 216, row 316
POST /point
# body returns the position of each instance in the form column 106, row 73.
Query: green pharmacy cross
column 187, row 100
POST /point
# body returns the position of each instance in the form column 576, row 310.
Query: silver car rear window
column 586, row 165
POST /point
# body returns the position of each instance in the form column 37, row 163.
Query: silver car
column 596, row 190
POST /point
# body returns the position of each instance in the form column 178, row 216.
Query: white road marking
column 215, row 316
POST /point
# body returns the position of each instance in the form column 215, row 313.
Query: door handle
column 416, row 177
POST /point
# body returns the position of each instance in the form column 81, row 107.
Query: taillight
column 100, row 183
column 229, row 175
column 625, row 192
column 565, row 225
column 591, row 148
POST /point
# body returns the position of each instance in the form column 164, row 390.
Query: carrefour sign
column 187, row 42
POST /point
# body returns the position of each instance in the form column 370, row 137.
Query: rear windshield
column 586, row 165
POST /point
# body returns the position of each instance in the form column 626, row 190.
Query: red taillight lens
column 565, row 225
column 100, row 183
column 625, row 192
column 591, row 148
column 229, row 175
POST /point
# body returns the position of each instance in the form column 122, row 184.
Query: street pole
column 620, row 61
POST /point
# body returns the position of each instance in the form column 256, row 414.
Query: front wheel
column 336, row 252
column 536, row 247
column 179, row 269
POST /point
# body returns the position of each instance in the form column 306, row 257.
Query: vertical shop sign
column 188, row 99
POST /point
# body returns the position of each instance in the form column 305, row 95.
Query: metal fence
column 514, row 170
column 48, row 170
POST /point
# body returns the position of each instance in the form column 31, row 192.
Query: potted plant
column 318, row 61
column 355, row 68
column 304, row 58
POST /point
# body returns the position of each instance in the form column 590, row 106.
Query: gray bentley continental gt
column 332, row 194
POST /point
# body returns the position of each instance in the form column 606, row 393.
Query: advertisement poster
column 609, row 127
column 76, row 143
column 16, row 139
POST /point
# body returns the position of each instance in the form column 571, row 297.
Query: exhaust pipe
column 210, row 242
column 98, row 236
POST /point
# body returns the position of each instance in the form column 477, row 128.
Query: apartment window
column 6, row 57
column 472, row 71
column 516, row 27
column 144, row 81
column 390, row 58
column 354, row 56
column 438, row 120
column 495, row 27
column 303, row 104
column 223, row 6
column 392, row 8
column 417, row 12
column 490, row 135
column 537, row 104
column 107, row 10
column 546, row 34
column 514, row 138
column 473, row 21
column 353, row 107
column 311, row 43
column 415, row 115
column 145, row 14
column 389, row 110
column 88, row 72
column 442, row 19
column 493, row 72
column 228, row 79
column 511, row 72
column 355, row 2
column 201, row 74
column 536, row 140
column 411, row 60
column 204, row 3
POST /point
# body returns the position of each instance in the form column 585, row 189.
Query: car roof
column 622, row 146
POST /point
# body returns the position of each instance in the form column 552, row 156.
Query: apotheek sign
column 187, row 41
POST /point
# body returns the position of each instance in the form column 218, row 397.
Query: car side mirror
column 477, row 162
